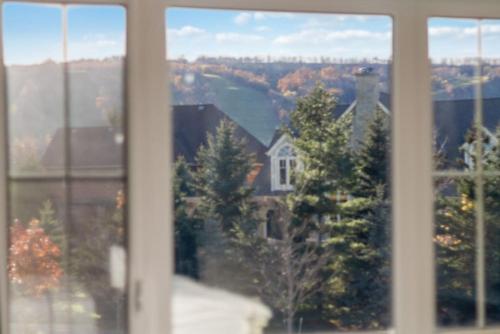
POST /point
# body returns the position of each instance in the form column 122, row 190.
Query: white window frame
column 273, row 154
column 150, row 151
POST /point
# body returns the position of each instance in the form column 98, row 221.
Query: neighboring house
column 283, row 158
column 454, row 120
column 100, row 150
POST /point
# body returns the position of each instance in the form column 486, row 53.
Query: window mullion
column 414, row 293
column 479, row 179
column 150, row 237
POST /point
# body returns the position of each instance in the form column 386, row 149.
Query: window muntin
column 283, row 172
column 211, row 91
column 67, row 171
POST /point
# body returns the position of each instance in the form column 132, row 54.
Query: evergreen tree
column 373, row 159
column 186, row 227
column 223, row 167
column 455, row 251
column 357, row 297
column 456, row 206
column 326, row 162
column 226, row 209
column 53, row 227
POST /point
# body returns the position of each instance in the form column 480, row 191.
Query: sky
column 192, row 33
column 34, row 33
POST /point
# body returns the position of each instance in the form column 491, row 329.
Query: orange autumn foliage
column 33, row 258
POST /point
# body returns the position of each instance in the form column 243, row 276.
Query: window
column 148, row 181
column 278, row 237
column 466, row 155
column 283, row 164
column 67, row 175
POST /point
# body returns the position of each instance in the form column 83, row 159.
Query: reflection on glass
column 282, row 170
column 35, row 82
column 67, row 253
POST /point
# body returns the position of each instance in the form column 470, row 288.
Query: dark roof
column 453, row 119
column 102, row 147
column 193, row 122
column 91, row 147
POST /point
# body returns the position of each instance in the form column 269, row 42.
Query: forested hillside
column 256, row 94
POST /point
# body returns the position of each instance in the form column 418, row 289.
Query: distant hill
column 257, row 95
column 36, row 99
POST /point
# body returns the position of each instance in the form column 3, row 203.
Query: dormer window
column 287, row 163
column 283, row 164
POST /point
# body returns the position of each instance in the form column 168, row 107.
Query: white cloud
column 259, row 16
column 242, row 18
column 263, row 29
column 443, row 31
column 461, row 32
column 490, row 29
column 186, row 31
column 235, row 37
column 317, row 36
column 99, row 40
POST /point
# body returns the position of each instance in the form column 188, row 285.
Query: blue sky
column 33, row 33
column 192, row 33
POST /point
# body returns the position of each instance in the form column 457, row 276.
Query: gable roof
column 91, row 147
column 192, row 123
column 102, row 147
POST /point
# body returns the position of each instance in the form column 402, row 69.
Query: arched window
column 284, row 164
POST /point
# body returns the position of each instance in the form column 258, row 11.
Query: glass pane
column 67, row 172
column 453, row 52
column 490, row 35
column 96, row 46
column 97, row 242
column 258, row 88
column 35, row 84
column 492, row 230
column 466, row 234
column 283, row 172
column 39, row 289
column 454, row 240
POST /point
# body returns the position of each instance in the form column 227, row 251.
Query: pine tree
column 455, row 251
column 225, row 209
column 223, row 167
column 456, row 205
column 373, row 159
column 52, row 226
column 322, row 146
column 358, row 295
column 186, row 227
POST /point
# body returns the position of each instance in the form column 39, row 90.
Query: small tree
column 225, row 207
column 187, row 228
column 33, row 259
column 223, row 167
column 287, row 271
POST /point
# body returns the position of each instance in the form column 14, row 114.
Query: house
column 102, row 148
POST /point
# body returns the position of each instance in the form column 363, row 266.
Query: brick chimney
column 367, row 98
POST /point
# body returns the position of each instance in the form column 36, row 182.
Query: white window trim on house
column 150, row 132
column 276, row 161
column 469, row 148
